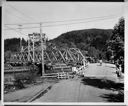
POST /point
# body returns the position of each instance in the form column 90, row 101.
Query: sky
column 58, row 17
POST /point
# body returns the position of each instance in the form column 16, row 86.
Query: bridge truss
column 51, row 54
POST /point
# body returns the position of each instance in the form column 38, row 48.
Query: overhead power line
column 28, row 17
column 15, row 30
column 18, row 17
column 67, row 23
column 45, row 22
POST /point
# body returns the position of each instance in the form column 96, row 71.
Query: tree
column 93, row 52
column 118, row 39
column 116, row 42
column 7, row 56
column 109, row 54
column 13, row 44
column 119, row 30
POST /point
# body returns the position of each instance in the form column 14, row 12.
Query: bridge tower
column 36, row 42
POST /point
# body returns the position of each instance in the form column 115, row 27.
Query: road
column 100, row 84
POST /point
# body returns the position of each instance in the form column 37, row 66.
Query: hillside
column 13, row 44
column 91, row 40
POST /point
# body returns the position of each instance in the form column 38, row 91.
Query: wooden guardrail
column 15, row 69
column 60, row 75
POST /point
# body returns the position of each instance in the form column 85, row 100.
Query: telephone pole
column 42, row 48
column 28, row 48
column 20, row 38
column 33, row 48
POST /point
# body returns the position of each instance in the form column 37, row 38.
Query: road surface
column 100, row 84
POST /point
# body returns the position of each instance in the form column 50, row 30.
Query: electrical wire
column 18, row 17
column 16, row 30
column 63, row 20
column 66, row 23
column 20, row 12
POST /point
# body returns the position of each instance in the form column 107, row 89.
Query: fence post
column 58, row 75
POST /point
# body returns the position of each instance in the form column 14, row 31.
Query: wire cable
column 67, row 23
column 16, row 30
column 18, row 17
column 21, row 12
column 63, row 20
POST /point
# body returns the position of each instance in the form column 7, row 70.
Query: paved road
column 100, row 84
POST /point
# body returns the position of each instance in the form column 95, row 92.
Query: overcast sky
column 75, row 16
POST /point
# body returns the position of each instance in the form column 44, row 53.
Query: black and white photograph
column 63, row 52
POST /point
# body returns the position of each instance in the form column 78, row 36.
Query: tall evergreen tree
column 117, row 40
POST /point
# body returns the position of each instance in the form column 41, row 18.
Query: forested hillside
column 13, row 45
column 92, row 42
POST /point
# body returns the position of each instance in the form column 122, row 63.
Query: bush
column 18, row 84
column 24, row 78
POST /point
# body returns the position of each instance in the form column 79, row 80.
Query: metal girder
column 56, row 55
column 33, row 53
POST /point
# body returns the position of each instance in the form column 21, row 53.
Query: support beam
column 33, row 49
column 28, row 48
column 42, row 47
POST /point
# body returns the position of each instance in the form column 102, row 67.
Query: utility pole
column 20, row 38
column 33, row 48
column 28, row 48
column 42, row 48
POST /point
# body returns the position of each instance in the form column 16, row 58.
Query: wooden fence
column 60, row 75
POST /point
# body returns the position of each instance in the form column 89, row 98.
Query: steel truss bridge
column 37, row 48
column 50, row 56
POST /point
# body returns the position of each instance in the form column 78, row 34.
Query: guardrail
column 15, row 70
column 60, row 75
